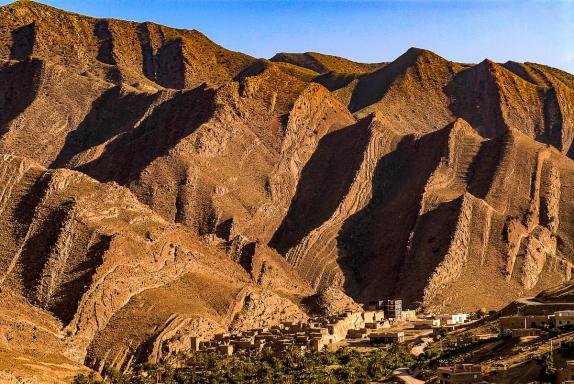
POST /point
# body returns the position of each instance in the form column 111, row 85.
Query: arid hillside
column 92, row 274
column 150, row 174
column 138, row 54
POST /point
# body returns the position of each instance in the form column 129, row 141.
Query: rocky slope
column 79, row 256
column 150, row 174
column 138, row 54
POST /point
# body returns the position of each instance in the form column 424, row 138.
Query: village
column 383, row 323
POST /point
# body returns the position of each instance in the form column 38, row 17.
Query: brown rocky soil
column 78, row 256
column 156, row 185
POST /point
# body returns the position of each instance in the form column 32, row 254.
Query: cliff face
column 149, row 174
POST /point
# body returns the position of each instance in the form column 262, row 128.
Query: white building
column 408, row 314
column 563, row 318
column 451, row 319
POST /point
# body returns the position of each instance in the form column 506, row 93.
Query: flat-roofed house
column 452, row 319
column 522, row 321
column 387, row 337
column 525, row 332
column 483, row 336
column 426, row 323
column 408, row 314
column 564, row 318
column 460, row 374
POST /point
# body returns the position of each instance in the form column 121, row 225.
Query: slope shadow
column 324, row 181
column 333, row 80
column 105, row 42
column 67, row 298
column 126, row 156
column 170, row 64
column 430, row 242
column 376, row 237
column 106, row 51
column 148, row 57
column 166, row 64
column 482, row 169
column 474, row 97
column 18, row 89
column 24, row 212
column 23, row 40
column 553, row 123
column 36, row 250
column 111, row 114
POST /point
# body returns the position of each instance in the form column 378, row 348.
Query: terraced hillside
column 129, row 146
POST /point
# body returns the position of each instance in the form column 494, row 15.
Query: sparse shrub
column 90, row 378
column 517, row 348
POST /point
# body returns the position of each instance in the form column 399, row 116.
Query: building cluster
column 393, row 309
column 472, row 373
column 514, row 326
column 373, row 324
column 533, row 325
column 316, row 334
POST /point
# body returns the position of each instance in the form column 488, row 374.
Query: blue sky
column 371, row 31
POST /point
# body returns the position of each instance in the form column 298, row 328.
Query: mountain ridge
column 127, row 147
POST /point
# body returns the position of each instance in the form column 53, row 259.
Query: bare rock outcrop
column 312, row 240
column 331, row 302
column 264, row 309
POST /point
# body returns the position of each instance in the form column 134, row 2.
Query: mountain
column 85, row 253
column 157, row 185
column 322, row 63
column 138, row 54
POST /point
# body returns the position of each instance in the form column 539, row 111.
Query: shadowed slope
column 19, row 83
column 41, row 104
column 524, row 97
column 334, row 163
column 456, row 222
column 128, row 154
column 377, row 247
